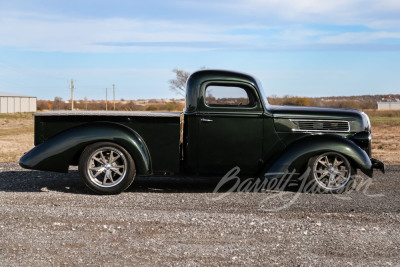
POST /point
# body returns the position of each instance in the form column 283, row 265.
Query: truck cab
column 227, row 124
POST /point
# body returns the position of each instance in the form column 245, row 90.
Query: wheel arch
column 297, row 155
column 65, row 148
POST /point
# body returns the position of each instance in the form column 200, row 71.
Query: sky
column 307, row 48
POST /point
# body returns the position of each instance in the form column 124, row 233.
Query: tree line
column 178, row 86
column 354, row 102
column 151, row 105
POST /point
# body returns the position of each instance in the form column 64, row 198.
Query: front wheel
column 106, row 168
column 330, row 173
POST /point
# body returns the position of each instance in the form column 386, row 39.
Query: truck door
column 230, row 128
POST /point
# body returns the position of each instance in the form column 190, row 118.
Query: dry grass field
column 16, row 136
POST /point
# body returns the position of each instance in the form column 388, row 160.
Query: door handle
column 206, row 120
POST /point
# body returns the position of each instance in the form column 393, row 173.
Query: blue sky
column 303, row 47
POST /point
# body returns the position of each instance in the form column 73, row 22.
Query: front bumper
column 377, row 164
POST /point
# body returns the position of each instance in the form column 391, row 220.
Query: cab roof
column 196, row 79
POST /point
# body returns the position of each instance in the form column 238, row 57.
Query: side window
column 226, row 96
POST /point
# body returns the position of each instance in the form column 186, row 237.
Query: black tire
column 106, row 168
column 330, row 172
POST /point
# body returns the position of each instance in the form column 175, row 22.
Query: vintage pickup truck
column 227, row 122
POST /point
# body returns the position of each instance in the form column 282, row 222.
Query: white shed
column 388, row 105
column 12, row 103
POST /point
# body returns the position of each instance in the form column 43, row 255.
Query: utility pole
column 106, row 99
column 86, row 102
column 72, row 94
column 114, row 95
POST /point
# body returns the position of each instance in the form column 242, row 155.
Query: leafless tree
column 57, row 102
column 178, row 85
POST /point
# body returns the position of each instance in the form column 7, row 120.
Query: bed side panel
column 160, row 134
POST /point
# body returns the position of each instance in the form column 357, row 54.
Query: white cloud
column 338, row 12
column 40, row 32
column 384, row 24
column 274, row 24
column 358, row 37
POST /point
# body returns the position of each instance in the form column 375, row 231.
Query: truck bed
column 159, row 130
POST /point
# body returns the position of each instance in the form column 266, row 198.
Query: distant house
column 388, row 105
column 12, row 103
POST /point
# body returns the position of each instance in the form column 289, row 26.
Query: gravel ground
column 50, row 219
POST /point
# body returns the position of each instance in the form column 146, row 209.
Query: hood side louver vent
column 322, row 125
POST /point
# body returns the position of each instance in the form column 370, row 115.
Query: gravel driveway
column 50, row 219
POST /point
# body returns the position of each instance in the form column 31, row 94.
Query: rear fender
column 297, row 155
column 58, row 152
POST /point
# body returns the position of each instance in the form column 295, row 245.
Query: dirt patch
column 386, row 143
column 16, row 137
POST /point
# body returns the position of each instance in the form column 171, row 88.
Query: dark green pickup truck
column 227, row 122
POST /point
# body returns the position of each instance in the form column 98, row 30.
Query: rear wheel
column 106, row 168
column 330, row 173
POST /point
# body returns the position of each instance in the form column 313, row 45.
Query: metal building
column 388, row 105
column 11, row 103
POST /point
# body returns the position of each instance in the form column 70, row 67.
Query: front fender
column 58, row 152
column 298, row 154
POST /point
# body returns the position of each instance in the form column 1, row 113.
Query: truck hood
column 284, row 115
column 314, row 112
